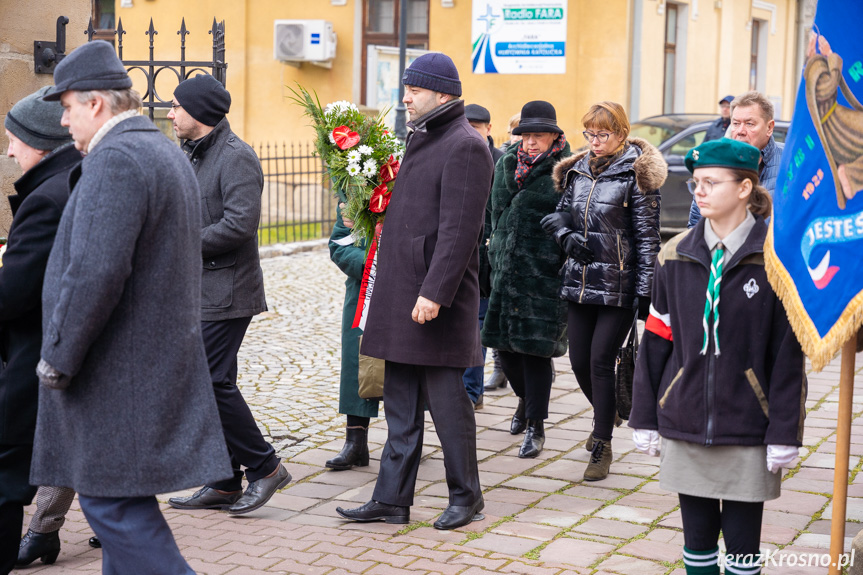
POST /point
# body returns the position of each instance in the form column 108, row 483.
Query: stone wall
column 21, row 24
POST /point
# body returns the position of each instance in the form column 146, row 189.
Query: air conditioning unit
column 304, row 41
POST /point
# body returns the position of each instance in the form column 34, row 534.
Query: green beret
column 723, row 153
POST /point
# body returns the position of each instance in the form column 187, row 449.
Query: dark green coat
column 350, row 259
column 525, row 314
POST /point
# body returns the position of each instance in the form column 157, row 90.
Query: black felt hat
column 537, row 116
column 91, row 66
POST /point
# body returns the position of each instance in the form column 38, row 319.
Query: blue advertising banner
column 814, row 251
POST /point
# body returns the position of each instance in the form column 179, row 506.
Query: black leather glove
column 643, row 307
column 575, row 246
column 556, row 221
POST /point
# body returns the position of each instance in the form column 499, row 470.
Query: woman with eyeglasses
column 728, row 397
column 526, row 320
column 607, row 223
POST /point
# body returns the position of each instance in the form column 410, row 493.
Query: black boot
column 518, row 421
column 355, row 453
column 534, row 439
column 38, row 545
column 497, row 379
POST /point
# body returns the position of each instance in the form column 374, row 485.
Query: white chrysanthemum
column 353, row 169
column 365, row 150
column 354, row 157
column 339, row 107
column 370, row 168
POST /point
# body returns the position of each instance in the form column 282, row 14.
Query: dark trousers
column 246, row 444
column 136, row 539
column 407, row 390
column 15, row 493
column 530, row 377
column 473, row 376
column 595, row 333
column 739, row 521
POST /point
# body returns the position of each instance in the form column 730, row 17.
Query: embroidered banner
column 816, row 235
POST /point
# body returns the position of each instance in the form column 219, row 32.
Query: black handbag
column 625, row 370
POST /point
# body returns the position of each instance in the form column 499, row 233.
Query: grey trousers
column 52, row 504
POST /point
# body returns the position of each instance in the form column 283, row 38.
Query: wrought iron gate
column 182, row 68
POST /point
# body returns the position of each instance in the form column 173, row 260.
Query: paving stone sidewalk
column 540, row 516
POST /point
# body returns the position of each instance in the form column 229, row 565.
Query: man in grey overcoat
column 423, row 310
column 126, row 408
column 232, row 285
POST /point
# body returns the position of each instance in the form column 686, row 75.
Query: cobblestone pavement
column 540, row 517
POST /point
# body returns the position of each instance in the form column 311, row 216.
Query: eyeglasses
column 706, row 185
column 602, row 137
column 175, row 106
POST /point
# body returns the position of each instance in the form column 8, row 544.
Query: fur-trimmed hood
column 650, row 167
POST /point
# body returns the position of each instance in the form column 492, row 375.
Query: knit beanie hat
column 204, row 98
column 37, row 122
column 434, row 71
column 91, row 66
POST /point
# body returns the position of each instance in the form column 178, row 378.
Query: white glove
column 779, row 456
column 646, row 441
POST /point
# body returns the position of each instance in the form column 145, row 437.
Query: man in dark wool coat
column 232, row 285
column 423, row 310
column 126, row 407
column 43, row 150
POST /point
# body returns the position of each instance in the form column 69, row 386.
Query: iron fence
column 297, row 202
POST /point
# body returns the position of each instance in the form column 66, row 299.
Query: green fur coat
column 525, row 314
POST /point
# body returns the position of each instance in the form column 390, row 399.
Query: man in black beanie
column 232, row 285
column 422, row 317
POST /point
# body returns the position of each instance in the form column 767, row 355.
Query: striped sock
column 743, row 565
column 701, row 562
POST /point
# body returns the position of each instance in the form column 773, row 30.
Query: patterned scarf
column 712, row 303
column 526, row 163
column 599, row 164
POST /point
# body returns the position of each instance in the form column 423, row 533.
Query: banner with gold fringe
column 814, row 247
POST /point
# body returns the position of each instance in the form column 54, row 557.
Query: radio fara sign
column 519, row 37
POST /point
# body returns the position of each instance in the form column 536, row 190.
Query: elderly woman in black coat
column 526, row 319
column 608, row 224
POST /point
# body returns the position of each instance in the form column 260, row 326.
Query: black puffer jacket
column 618, row 213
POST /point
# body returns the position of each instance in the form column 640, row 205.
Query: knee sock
column 746, row 565
column 701, row 562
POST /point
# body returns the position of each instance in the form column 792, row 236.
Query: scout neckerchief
column 712, row 303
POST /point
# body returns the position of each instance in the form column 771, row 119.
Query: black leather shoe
column 259, row 492
column 355, row 453
column 44, row 546
column 456, row 516
column 205, row 498
column 534, row 439
column 374, row 511
column 519, row 423
column 94, row 542
column 479, row 403
column 497, row 379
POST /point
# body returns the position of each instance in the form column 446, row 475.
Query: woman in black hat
column 526, row 320
column 608, row 224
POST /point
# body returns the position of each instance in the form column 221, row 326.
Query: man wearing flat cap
column 44, row 152
column 126, row 408
column 232, row 285
column 718, row 128
column 423, row 310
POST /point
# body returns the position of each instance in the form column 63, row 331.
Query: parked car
column 674, row 135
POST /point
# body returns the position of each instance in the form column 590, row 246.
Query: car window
column 682, row 147
column 653, row 134
column 779, row 134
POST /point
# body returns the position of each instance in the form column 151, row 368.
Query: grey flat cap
column 91, row 66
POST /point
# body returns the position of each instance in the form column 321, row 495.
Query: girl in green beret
column 720, row 375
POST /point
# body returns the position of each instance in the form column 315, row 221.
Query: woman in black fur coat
column 526, row 320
